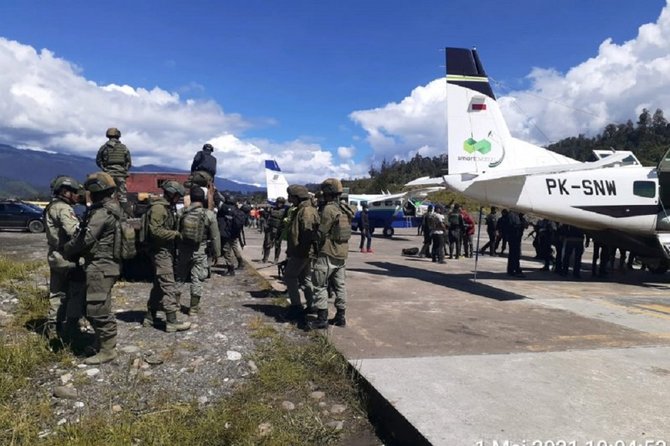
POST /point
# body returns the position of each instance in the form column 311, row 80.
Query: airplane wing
column 426, row 181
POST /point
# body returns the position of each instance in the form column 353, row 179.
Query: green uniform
column 66, row 284
column 301, row 233
column 192, row 259
column 273, row 231
column 329, row 267
column 163, row 235
column 114, row 158
column 95, row 242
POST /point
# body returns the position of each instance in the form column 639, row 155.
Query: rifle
column 242, row 238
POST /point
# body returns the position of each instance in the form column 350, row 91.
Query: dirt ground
column 201, row 365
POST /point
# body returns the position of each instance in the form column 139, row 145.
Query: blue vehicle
column 16, row 214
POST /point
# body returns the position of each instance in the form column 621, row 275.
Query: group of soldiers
column 447, row 227
column 85, row 257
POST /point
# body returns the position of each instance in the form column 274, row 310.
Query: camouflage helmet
column 281, row 200
column 332, row 186
column 208, row 147
column 298, row 190
column 64, row 181
column 173, row 187
column 98, row 182
column 113, row 132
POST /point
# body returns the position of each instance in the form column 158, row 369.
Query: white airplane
column 614, row 199
column 383, row 209
column 275, row 181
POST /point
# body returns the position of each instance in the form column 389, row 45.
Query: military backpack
column 341, row 230
column 192, row 225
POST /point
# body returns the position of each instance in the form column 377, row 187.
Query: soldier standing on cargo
column 197, row 226
column 301, row 236
column 98, row 242
column 203, row 168
column 66, row 281
column 329, row 267
column 114, row 159
column 273, row 229
column 163, row 236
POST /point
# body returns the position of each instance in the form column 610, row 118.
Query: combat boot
column 231, row 270
column 321, row 321
column 107, row 352
column 339, row 319
column 149, row 319
column 195, row 305
column 172, row 324
column 294, row 313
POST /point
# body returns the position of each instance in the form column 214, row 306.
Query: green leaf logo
column 471, row 146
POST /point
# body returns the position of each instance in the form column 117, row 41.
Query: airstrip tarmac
column 491, row 360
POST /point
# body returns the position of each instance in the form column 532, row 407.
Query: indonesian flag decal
column 478, row 104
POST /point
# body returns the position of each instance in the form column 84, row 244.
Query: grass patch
column 11, row 270
column 22, row 354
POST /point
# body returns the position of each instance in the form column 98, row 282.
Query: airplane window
column 645, row 189
column 398, row 202
column 353, row 203
column 388, row 203
column 376, row 203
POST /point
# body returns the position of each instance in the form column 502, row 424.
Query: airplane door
column 663, row 171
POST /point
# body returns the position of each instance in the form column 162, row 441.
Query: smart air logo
column 471, row 146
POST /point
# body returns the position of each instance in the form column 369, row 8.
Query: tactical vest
column 115, row 153
column 276, row 217
column 454, row 220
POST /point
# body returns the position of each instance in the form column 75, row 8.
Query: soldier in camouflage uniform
column 273, row 229
column 329, row 267
column 98, row 243
column 66, row 284
column 163, row 237
column 114, row 158
column 192, row 258
column 302, row 230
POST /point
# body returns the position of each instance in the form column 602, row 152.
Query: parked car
column 15, row 214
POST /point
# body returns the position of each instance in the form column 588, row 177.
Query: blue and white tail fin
column 479, row 140
column 275, row 181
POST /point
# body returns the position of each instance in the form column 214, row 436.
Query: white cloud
column 613, row 86
column 415, row 125
column 346, row 152
column 46, row 103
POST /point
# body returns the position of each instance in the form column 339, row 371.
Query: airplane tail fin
column 479, row 140
column 275, row 181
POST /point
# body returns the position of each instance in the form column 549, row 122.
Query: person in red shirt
column 468, row 233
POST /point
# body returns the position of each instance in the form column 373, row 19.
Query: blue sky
column 324, row 87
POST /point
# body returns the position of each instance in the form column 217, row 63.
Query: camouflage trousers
column 99, row 303
column 329, row 273
column 297, row 275
column 121, row 190
column 272, row 238
column 67, row 294
column 230, row 250
column 164, row 293
column 192, row 265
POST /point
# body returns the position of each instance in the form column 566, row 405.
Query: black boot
column 339, row 319
column 321, row 322
column 231, row 270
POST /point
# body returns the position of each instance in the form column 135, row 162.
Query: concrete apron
column 543, row 358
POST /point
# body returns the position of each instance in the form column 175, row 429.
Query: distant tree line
column 648, row 139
